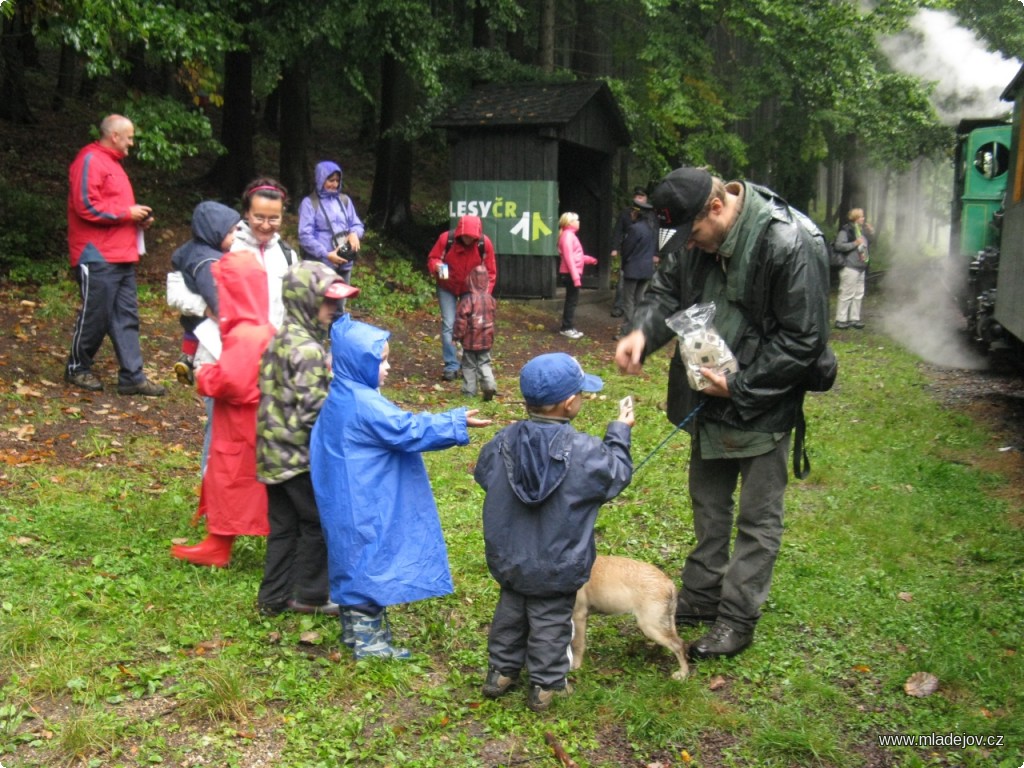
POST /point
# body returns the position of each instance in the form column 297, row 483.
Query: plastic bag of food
column 700, row 345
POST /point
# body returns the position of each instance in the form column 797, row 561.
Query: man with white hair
column 105, row 227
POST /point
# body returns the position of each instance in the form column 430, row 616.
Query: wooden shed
column 524, row 154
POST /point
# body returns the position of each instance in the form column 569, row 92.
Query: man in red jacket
column 105, row 227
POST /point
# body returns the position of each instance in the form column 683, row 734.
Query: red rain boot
column 213, row 550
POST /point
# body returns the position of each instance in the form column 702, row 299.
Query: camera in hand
column 344, row 247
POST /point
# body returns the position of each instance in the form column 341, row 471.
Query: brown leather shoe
column 721, row 640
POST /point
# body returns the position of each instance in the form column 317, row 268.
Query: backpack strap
column 448, row 245
column 288, row 251
column 801, row 462
column 480, row 246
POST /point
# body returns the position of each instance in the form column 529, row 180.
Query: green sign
column 520, row 217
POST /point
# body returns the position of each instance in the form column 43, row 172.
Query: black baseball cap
column 677, row 200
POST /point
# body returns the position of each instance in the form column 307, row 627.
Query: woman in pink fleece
column 570, row 271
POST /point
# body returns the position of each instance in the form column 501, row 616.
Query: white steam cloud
column 968, row 77
column 920, row 310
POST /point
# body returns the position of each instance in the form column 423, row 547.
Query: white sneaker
column 572, row 333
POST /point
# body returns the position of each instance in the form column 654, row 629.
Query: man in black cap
column 764, row 266
column 622, row 225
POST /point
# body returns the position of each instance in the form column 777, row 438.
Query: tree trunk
column 13, row 93
column 547, row 35
column 233, row 170
column 272, row 111
column 482, row 35
column 293, row 97
column 591, row 51
column 391, row 199
column 65, row 77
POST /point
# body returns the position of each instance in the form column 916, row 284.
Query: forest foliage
column 768, row 89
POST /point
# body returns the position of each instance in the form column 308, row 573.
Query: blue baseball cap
column 554, row 377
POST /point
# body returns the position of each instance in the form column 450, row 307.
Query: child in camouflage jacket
column 294, row 379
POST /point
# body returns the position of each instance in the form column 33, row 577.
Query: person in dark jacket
column 474, row 329
column 765, row 267
column 213, row 232
column 622, row 223
column 545, row 483
column 851, row 244
column 639, row 255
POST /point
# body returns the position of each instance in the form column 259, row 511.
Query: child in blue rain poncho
column 384, row 540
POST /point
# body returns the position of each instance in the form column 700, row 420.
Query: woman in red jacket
column 570, row 271
column 233, row 500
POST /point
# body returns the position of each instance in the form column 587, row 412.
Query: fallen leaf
column 862, row 668
column 310, row 637
column 921, row 684
column 906, row 597
column 716, row 682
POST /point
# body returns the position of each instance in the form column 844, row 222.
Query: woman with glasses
column 262, row 210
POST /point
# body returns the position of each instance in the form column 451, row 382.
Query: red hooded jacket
column 233, row 500
column 474, row 315
column 461, row 258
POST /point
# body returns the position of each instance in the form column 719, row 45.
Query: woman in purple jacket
column 330, row 231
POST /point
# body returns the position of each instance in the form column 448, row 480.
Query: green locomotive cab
column 982, row 162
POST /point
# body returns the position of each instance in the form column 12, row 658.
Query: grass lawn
column 900, row 557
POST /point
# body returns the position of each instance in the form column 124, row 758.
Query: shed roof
column 1010, row 92
column 533, row 104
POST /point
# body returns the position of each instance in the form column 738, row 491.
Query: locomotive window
column 992, row 159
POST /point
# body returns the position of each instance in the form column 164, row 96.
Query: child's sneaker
column 498, row 684
column 183, row 370
column 540, row 699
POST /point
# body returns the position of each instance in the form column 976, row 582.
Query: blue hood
column 324, row 169
column 357, row 349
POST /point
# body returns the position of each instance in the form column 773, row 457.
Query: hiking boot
column 498, row 684
column 86, row 380
column 144, row 387
column 842, row 325
column 450, row 375
column 184, row 370
column 572, row 333
column 857, row 324
column 721, row 641
column 540, row 698
column 489, row 394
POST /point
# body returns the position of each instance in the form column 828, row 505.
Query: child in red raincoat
column 233, row 500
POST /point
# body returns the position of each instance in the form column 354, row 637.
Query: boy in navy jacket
column 545, row 483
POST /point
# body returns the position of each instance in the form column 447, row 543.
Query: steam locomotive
column 987, row 225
